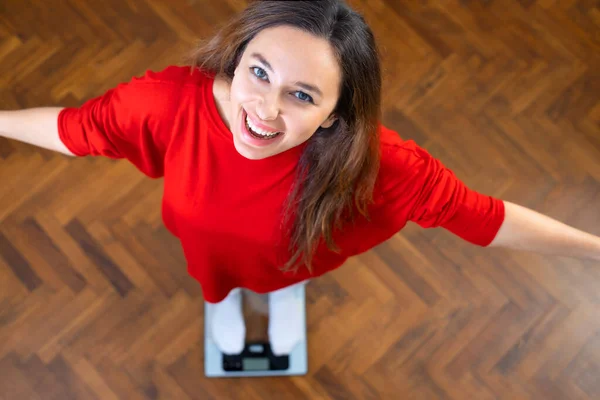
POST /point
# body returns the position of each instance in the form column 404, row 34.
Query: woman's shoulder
column 161, row 92
column 175, row 75
column 403, row 161
column 396, row 150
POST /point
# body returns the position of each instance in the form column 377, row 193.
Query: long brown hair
column 339, row 165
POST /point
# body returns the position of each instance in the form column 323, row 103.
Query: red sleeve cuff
column 65, row 117
column 484, row 227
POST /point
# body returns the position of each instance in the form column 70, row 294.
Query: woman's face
column 285, row 87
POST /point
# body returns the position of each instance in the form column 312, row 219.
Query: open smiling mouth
column 259, row 133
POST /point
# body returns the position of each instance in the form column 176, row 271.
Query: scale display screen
column 256, row 357
column 255, row 364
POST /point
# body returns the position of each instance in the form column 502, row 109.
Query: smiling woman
column 276, row 166
column 303, row 73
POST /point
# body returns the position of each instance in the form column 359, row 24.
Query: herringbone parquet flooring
column 95, row 302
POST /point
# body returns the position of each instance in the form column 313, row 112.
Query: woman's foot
column 228, row 326
column 285, row 320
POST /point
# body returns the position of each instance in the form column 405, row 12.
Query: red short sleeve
column 414, row 186
column 133, row 121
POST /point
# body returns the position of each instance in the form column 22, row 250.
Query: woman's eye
column 262, row 75
column 259, row 72
column 304, row 97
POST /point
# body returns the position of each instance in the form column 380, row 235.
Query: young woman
column 276, row 167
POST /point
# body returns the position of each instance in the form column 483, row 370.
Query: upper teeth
column 258, row 130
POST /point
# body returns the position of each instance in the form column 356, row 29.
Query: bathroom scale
column 256, row 359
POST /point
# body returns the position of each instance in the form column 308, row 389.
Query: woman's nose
column 268, row 107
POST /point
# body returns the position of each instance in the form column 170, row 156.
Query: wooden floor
column 505, row 93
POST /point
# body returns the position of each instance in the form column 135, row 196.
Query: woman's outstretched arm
column 525, row 229
column 36, row 126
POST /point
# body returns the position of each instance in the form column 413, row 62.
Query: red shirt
column 226, row 209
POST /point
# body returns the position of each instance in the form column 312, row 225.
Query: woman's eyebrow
column 303, row 85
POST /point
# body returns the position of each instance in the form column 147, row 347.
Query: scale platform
column 256, row 359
